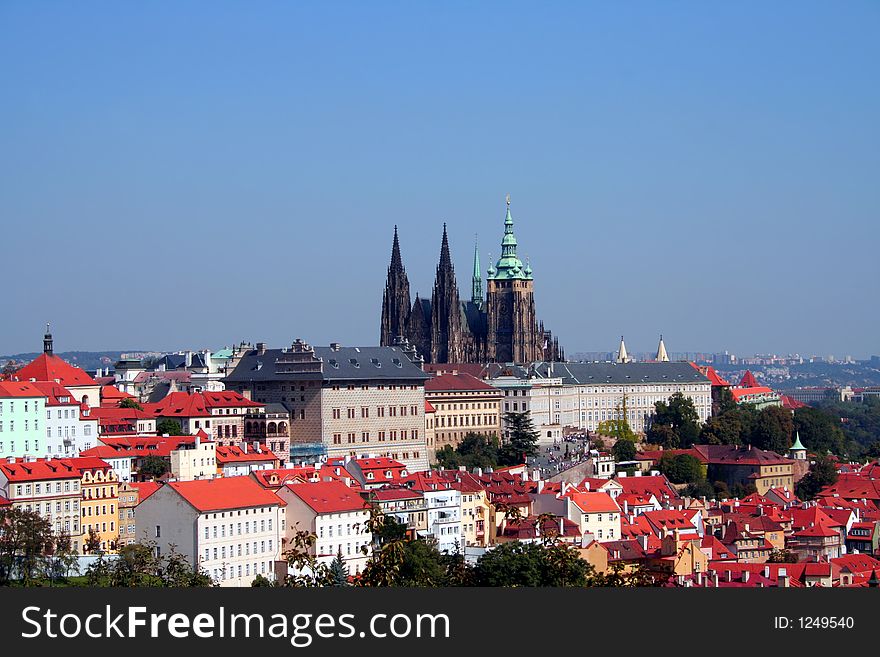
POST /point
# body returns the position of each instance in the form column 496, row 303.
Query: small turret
column 622, row 356
column 662, row 357
column 47, row 342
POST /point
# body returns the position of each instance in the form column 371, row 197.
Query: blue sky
column 193, row 174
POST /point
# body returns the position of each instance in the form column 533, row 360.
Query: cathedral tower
column 510, row 306
column 395, row 300
column 446, row 320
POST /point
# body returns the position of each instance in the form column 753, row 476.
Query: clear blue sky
column 192, row 174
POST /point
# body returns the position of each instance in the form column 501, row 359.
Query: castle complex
column 500, row 327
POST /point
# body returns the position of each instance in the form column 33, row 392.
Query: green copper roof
column 797, row 442
column 509, row 266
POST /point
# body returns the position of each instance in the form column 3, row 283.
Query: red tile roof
column 593, row 502
column 19, row 389
column 457, row 382
column 749, row 380
column 55, row 392
column 234, row 454
column 658, row 486
column 50, row 368
column 328, row 497
column 736, row 455
column 39, row 470
column 145, row 489
column 185, row 404
column 527, row 528
column 225, row 493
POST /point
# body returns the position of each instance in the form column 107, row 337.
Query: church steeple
column 661, row 351
column 477, row 280
column 509, row 266
column 622, row 356
column 47, row 341
column 395, row 300
column 446, row 321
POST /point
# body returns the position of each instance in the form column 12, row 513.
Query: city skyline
column 663, row 177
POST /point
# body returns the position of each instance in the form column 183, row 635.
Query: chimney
column 643, row 541
column 261, row 348
column 540, row 486
column 783, row 578
column 625, row 507
column 189, row 359
column 334, row 346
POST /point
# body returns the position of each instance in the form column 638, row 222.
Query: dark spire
column 396, row 260
column 446, row 325
column 445, row 259
column 395, row 300
column 47, row 341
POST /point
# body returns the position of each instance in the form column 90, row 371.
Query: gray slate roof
column 620, row 373
column 342, row 364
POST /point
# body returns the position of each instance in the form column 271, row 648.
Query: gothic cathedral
column 500, row 328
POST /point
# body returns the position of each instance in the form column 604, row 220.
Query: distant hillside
column 87, row 360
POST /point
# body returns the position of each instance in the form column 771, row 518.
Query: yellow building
column 463, row 404
column 475, row 513
column 100, row 499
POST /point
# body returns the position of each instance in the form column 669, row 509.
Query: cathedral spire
column 445, row 259
column 395, row 301
column 622, row 356
column 661, row 351
column 446, row 323
column 477, row 280
column 396, row 260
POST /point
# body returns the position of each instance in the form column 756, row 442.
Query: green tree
column 681, row 468
column 169, row 427
column 676, row 423
column 700, row 488
column 92, row 543
column 153, row 467
column 822, row 473
column 475, row 450
column 26, row 540
column 730, row 427
column 130, row 402
column 530, row 564
column 261, row 581
column 782, row 556
column 306, row 570
column 624, row 450
column 773, row 429
column 522, row 441
column 820, row 431
column 338, row 571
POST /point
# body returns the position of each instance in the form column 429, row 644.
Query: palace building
column 498, row 326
